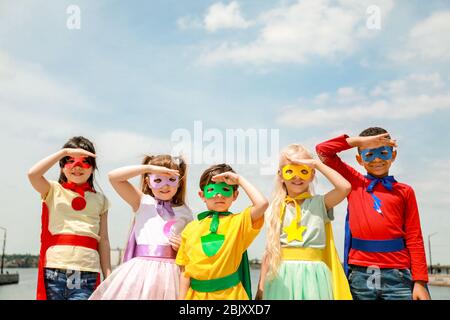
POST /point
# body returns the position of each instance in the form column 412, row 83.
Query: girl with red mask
column 74, row 237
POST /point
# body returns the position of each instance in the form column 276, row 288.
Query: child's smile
column 219, row 202
column 298, row 183
column 378, row 167
column 296, row 186
column 77, row 175
column 165, row 193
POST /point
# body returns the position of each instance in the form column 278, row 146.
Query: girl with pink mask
column 148, row 271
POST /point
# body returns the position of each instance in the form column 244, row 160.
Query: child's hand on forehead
column 377, row 141
column 299, row 161
column 78, row 152
column 163, row 170
column 230, row 178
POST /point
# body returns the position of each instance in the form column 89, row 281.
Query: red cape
column 48, row 240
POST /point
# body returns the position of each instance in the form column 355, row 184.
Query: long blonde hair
column 272, row 255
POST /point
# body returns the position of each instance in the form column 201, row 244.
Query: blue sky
column 134, row 73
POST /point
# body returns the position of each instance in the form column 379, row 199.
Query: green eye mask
column 212, row 189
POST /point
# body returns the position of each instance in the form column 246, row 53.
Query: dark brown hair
column 175, row 163
column 79, row 142
column 373, row 131
column 207, row 175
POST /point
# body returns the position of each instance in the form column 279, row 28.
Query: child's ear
column 313, row 174
column 235, row 195
column 360, row 160
column 394, row 155
column 202, row 195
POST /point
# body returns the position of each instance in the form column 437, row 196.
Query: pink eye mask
column 77, row 162
column 158, row 181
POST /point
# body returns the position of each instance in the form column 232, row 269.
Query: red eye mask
column 77, row 162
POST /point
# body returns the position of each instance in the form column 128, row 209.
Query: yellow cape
column 341, row 288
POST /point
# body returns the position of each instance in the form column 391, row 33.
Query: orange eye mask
column 294, row 170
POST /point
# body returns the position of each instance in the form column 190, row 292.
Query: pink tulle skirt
column 141, row 279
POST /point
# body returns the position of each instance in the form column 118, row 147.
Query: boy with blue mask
column 384, row 251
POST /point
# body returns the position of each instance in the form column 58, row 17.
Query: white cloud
column 408, row 98
column 299, row 31
column 428, row 41
column 218, row 16
column 221, row 16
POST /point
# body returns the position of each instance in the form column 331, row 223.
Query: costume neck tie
column 294, row 231
column 387, row 184
column 385, row 181
column 78, row 203
column 212, row 242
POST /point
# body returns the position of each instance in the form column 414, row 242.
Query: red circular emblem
column 78, row 203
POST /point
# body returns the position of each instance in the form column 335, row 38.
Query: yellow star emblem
column 294, row 232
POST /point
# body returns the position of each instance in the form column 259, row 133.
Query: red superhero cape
column 48, row 240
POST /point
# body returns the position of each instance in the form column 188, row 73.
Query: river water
column 26, row 288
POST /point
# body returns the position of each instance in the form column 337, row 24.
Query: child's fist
column 299, row 161
column 175, row 242
column 372, row 142
column 77, row 152
column 230, row 178
column 163, row 170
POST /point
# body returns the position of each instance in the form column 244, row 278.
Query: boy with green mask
column 213, row 248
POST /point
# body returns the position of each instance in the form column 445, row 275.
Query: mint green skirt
column 300, row 280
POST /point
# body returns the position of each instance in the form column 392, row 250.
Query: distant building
column 255, row 263
column 438, row 269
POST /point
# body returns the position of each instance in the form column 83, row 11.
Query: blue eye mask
column 384, row 153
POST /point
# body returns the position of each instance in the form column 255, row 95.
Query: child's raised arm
column 36, row 173
column 341, row 186
column 373, row 141
column 260, row 203
column 132, row 195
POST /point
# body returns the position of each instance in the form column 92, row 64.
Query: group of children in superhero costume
column 173, row 254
